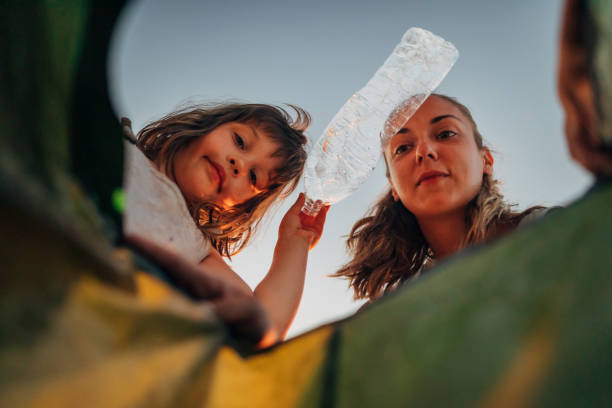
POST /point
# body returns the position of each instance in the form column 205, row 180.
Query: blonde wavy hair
column 388, row 247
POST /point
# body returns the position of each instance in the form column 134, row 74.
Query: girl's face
column 435, row 166
column 227, row 166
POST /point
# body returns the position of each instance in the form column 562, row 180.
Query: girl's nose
column 237, row 165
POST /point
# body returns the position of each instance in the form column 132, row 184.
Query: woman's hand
column 293, row 227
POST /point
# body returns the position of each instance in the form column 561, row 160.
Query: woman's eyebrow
column 434, row 120
column 439, row 118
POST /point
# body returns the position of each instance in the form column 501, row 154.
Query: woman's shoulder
column 536, row 213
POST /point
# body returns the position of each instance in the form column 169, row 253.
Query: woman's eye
column 239, row 141
column 446, row 134
column 253, row 177
column 401, row 149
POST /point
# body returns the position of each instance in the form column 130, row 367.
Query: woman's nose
column 425, row 150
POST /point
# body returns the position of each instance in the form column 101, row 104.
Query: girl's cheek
column 228, row 203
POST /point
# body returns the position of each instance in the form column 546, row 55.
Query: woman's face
column 435, row 166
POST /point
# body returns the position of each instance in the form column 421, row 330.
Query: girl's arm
column 280, row 291
column 214, row 263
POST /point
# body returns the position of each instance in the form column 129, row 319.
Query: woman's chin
column 433, row 208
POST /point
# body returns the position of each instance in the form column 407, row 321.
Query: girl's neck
column 444, row 233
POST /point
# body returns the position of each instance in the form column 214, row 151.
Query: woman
column 442, row 198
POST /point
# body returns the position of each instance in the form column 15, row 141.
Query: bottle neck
column 312, row 207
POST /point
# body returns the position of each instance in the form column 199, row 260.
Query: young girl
column 229, row 163
column 442, row 197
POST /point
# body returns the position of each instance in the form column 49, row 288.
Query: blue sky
column 316, row 54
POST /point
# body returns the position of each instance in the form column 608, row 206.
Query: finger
column 235, row 307
column 324, row 210
column 244, row 316
column 321, row 216
column 299, row 203
column 313, row 224
column 597, row 162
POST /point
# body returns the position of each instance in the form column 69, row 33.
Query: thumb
column 299, row 203
column 320, row 218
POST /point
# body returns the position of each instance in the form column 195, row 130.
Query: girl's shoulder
column 156, row 209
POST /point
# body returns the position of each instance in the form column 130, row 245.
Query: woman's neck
column 444, row 234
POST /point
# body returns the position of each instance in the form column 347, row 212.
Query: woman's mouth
column 430, row 176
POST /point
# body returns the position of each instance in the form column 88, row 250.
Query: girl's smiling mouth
column 217, row 172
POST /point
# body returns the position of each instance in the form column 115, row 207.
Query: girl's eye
column 239, row 141
column 253, row 177
column 446, row 134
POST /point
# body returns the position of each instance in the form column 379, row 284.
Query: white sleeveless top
column 156, row 209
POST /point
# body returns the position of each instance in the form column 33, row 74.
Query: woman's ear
column 488, row 162
column 394, row 194
column 388, row 174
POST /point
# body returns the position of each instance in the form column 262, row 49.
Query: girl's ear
column 488, row 162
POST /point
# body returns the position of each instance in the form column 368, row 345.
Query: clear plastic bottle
column 350, row 147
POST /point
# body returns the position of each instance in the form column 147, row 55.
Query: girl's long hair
column 388, row 247
column 229, row 230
